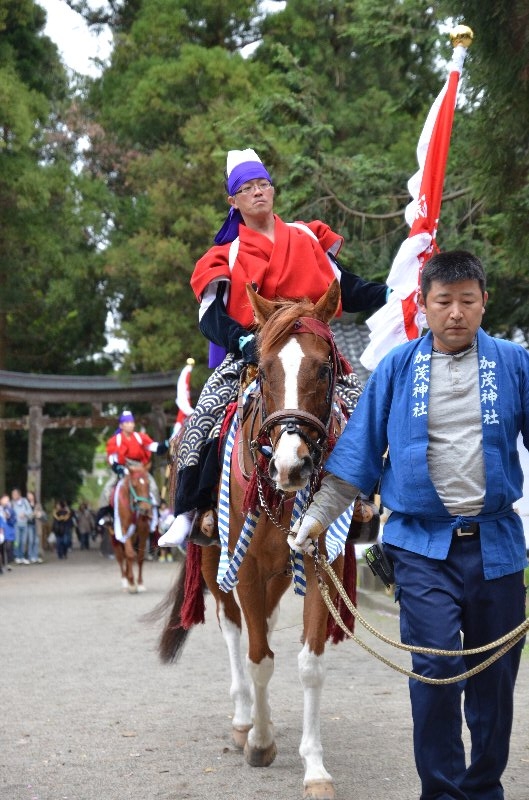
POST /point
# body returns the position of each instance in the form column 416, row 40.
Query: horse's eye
column 324, row 372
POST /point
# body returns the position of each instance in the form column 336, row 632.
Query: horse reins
column 504, row 643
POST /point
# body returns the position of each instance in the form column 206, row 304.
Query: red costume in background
column 136, row 447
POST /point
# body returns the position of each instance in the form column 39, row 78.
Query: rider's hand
column 248, row 348
column 306, row 534
column 162, row 448
column 119, row 469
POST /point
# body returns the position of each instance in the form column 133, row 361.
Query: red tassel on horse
column 193, row 607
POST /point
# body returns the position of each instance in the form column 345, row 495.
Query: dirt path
column 89, row 713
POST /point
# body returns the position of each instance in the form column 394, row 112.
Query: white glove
column 306, row 534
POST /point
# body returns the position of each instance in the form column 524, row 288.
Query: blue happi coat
column 393, row 412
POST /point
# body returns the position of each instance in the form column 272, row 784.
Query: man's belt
column 467, row 530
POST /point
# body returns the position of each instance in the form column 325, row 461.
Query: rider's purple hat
column 127, row 416
column 241, row 166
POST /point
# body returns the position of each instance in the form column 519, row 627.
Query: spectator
column 165, row 520
column 3, row 560
column 35, row 529
column 9, row 519
column 24, row 515
column 62, row 528
column 85, row 526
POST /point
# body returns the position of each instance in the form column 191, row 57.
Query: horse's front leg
column 318, row 783
column 143, row 537
column 122, row 561
column 260, row 749
column 130, row 557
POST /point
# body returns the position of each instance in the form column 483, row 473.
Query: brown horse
column 135, row 509
column 285, row 434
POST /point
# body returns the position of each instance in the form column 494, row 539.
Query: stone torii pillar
column 36, row 429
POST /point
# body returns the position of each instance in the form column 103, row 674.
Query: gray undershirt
column 455, row 436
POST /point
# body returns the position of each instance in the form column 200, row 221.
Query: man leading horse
column 254, row 246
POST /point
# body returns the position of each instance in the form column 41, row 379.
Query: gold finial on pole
column 461, row 34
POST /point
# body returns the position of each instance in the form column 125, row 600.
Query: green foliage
column 52, row 287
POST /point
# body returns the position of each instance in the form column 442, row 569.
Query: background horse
column 288, row 428
column 135, row 509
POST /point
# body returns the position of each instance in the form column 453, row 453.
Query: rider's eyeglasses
column 251, row 187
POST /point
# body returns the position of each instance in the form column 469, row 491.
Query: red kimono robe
column 295, row 265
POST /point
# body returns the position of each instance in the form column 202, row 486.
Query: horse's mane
column 278, row 325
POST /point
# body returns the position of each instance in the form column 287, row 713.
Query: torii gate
column 36, row 390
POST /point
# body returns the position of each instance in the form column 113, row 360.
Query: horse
column 285, row 434
column 134, row 506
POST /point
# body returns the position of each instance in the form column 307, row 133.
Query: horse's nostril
column 307, row 464
column 272, row 469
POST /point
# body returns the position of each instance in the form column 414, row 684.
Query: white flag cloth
column 400, row 320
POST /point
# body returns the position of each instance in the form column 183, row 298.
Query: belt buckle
column 461, row 532
column 471, row 530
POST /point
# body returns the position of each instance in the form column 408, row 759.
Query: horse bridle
column 137, row 499
column 292, row 419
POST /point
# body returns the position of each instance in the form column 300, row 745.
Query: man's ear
column 485, row 298
column 420, row 301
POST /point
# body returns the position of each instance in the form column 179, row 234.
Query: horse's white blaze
column 262, row 732
column 286, row 452
column 290, row 356
column 240, row 692
column 312, row 675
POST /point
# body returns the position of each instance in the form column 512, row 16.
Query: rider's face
column 127, row 427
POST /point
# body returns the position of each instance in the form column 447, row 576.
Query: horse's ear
column 262, row 309
column 327, row 306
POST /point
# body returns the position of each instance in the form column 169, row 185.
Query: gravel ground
column 89, row 713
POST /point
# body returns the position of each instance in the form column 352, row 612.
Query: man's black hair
column 451, row 267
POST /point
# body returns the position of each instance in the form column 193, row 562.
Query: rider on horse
column 128, row 447
column 280, row 260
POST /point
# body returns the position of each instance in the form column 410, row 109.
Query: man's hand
column 306, row 534
column 119, row 469
column 162, row 448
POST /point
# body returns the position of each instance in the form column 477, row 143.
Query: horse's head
column 297, row 369
column 140, row 499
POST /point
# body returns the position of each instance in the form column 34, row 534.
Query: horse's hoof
column 260, row 756
column 133, row 589
column 319, row 790
column 141, row 587
column 124, row 584
column 240, row 735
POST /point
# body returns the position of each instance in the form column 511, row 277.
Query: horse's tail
column 185, row 600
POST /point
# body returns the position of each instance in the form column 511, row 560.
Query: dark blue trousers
column 448, row 605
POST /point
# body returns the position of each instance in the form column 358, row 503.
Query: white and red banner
column 400, row 320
